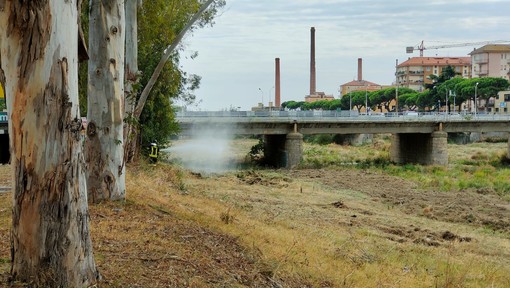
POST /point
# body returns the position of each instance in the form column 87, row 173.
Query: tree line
column 445, row 88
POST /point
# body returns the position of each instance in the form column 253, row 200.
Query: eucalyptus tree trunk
column 50, row 239
column 131, row 78
column 104, row 142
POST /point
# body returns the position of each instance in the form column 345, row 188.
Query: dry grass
column 335, row 227
column 359, row 243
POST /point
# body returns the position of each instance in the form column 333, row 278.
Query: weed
column 227, row 217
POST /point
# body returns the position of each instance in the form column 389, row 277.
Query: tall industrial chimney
column 360, row 69
column 312, row 62
column 277, row 83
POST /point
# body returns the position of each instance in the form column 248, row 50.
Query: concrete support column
column 283, row 150
column 396, row 156
column 425, row 149
column 294, row 149
column 439, row 153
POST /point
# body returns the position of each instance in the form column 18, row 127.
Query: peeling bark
column 131, row 79
column 104, row 142
column 31, row 21
column 50, row 238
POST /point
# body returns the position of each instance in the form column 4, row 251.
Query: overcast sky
column 236, row 55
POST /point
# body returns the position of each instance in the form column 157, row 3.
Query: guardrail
column 345, row 115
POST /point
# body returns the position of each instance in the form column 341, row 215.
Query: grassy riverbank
column 346, row 218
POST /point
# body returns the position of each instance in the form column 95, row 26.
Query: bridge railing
column 344, row 114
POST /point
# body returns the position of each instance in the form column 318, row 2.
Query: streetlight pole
column 270, row 96
column 476, row 90
column 446, row 109
column 454, row 95
column 366, row 99
column 350, row 104
column 396, row 84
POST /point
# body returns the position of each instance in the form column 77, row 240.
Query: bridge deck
column 315, row 123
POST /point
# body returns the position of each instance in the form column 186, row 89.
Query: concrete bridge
column 416, row 137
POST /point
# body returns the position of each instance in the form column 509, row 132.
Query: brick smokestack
column 312, row 62
column 360, row 69
column 277, row 82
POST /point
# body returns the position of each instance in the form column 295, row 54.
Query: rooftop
column 441, row 61
column 360, row 83
column 497, row 48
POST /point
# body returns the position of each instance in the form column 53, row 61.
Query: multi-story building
column 491, row 61
column 415, row 72
column 501, row 103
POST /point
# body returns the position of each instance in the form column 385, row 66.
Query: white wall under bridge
column 417, row 138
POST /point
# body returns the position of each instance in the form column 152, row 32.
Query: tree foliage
column 159, row 22
column 409, row 99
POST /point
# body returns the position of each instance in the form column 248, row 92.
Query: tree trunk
column 104, row 151
column 50, row 239
column 131, row 79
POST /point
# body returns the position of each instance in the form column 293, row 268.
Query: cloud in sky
column 236, row 55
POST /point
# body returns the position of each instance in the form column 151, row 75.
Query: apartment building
column 500, row 103
column 491, row 61
column 416, row 71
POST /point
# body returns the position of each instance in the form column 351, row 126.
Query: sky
column 236, row 56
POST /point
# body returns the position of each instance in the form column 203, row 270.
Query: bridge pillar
column 294, row 149
column 283, row 150
column 425, row 149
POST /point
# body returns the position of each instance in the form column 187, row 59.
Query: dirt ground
column 475, row 208
column 469, row 207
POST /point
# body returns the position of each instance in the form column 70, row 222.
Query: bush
column 256, row 153
column 321, row 139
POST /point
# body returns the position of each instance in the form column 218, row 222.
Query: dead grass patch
column 334, row 227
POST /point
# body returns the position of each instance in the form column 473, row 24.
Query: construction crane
column 421, row 47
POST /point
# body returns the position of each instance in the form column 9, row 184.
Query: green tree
column 159, row 22
column 336, row 105
column 424, row 100
column 357, row 99
column 447, row 73
column 408, row 100
column 384, row 97
column 464, row 89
